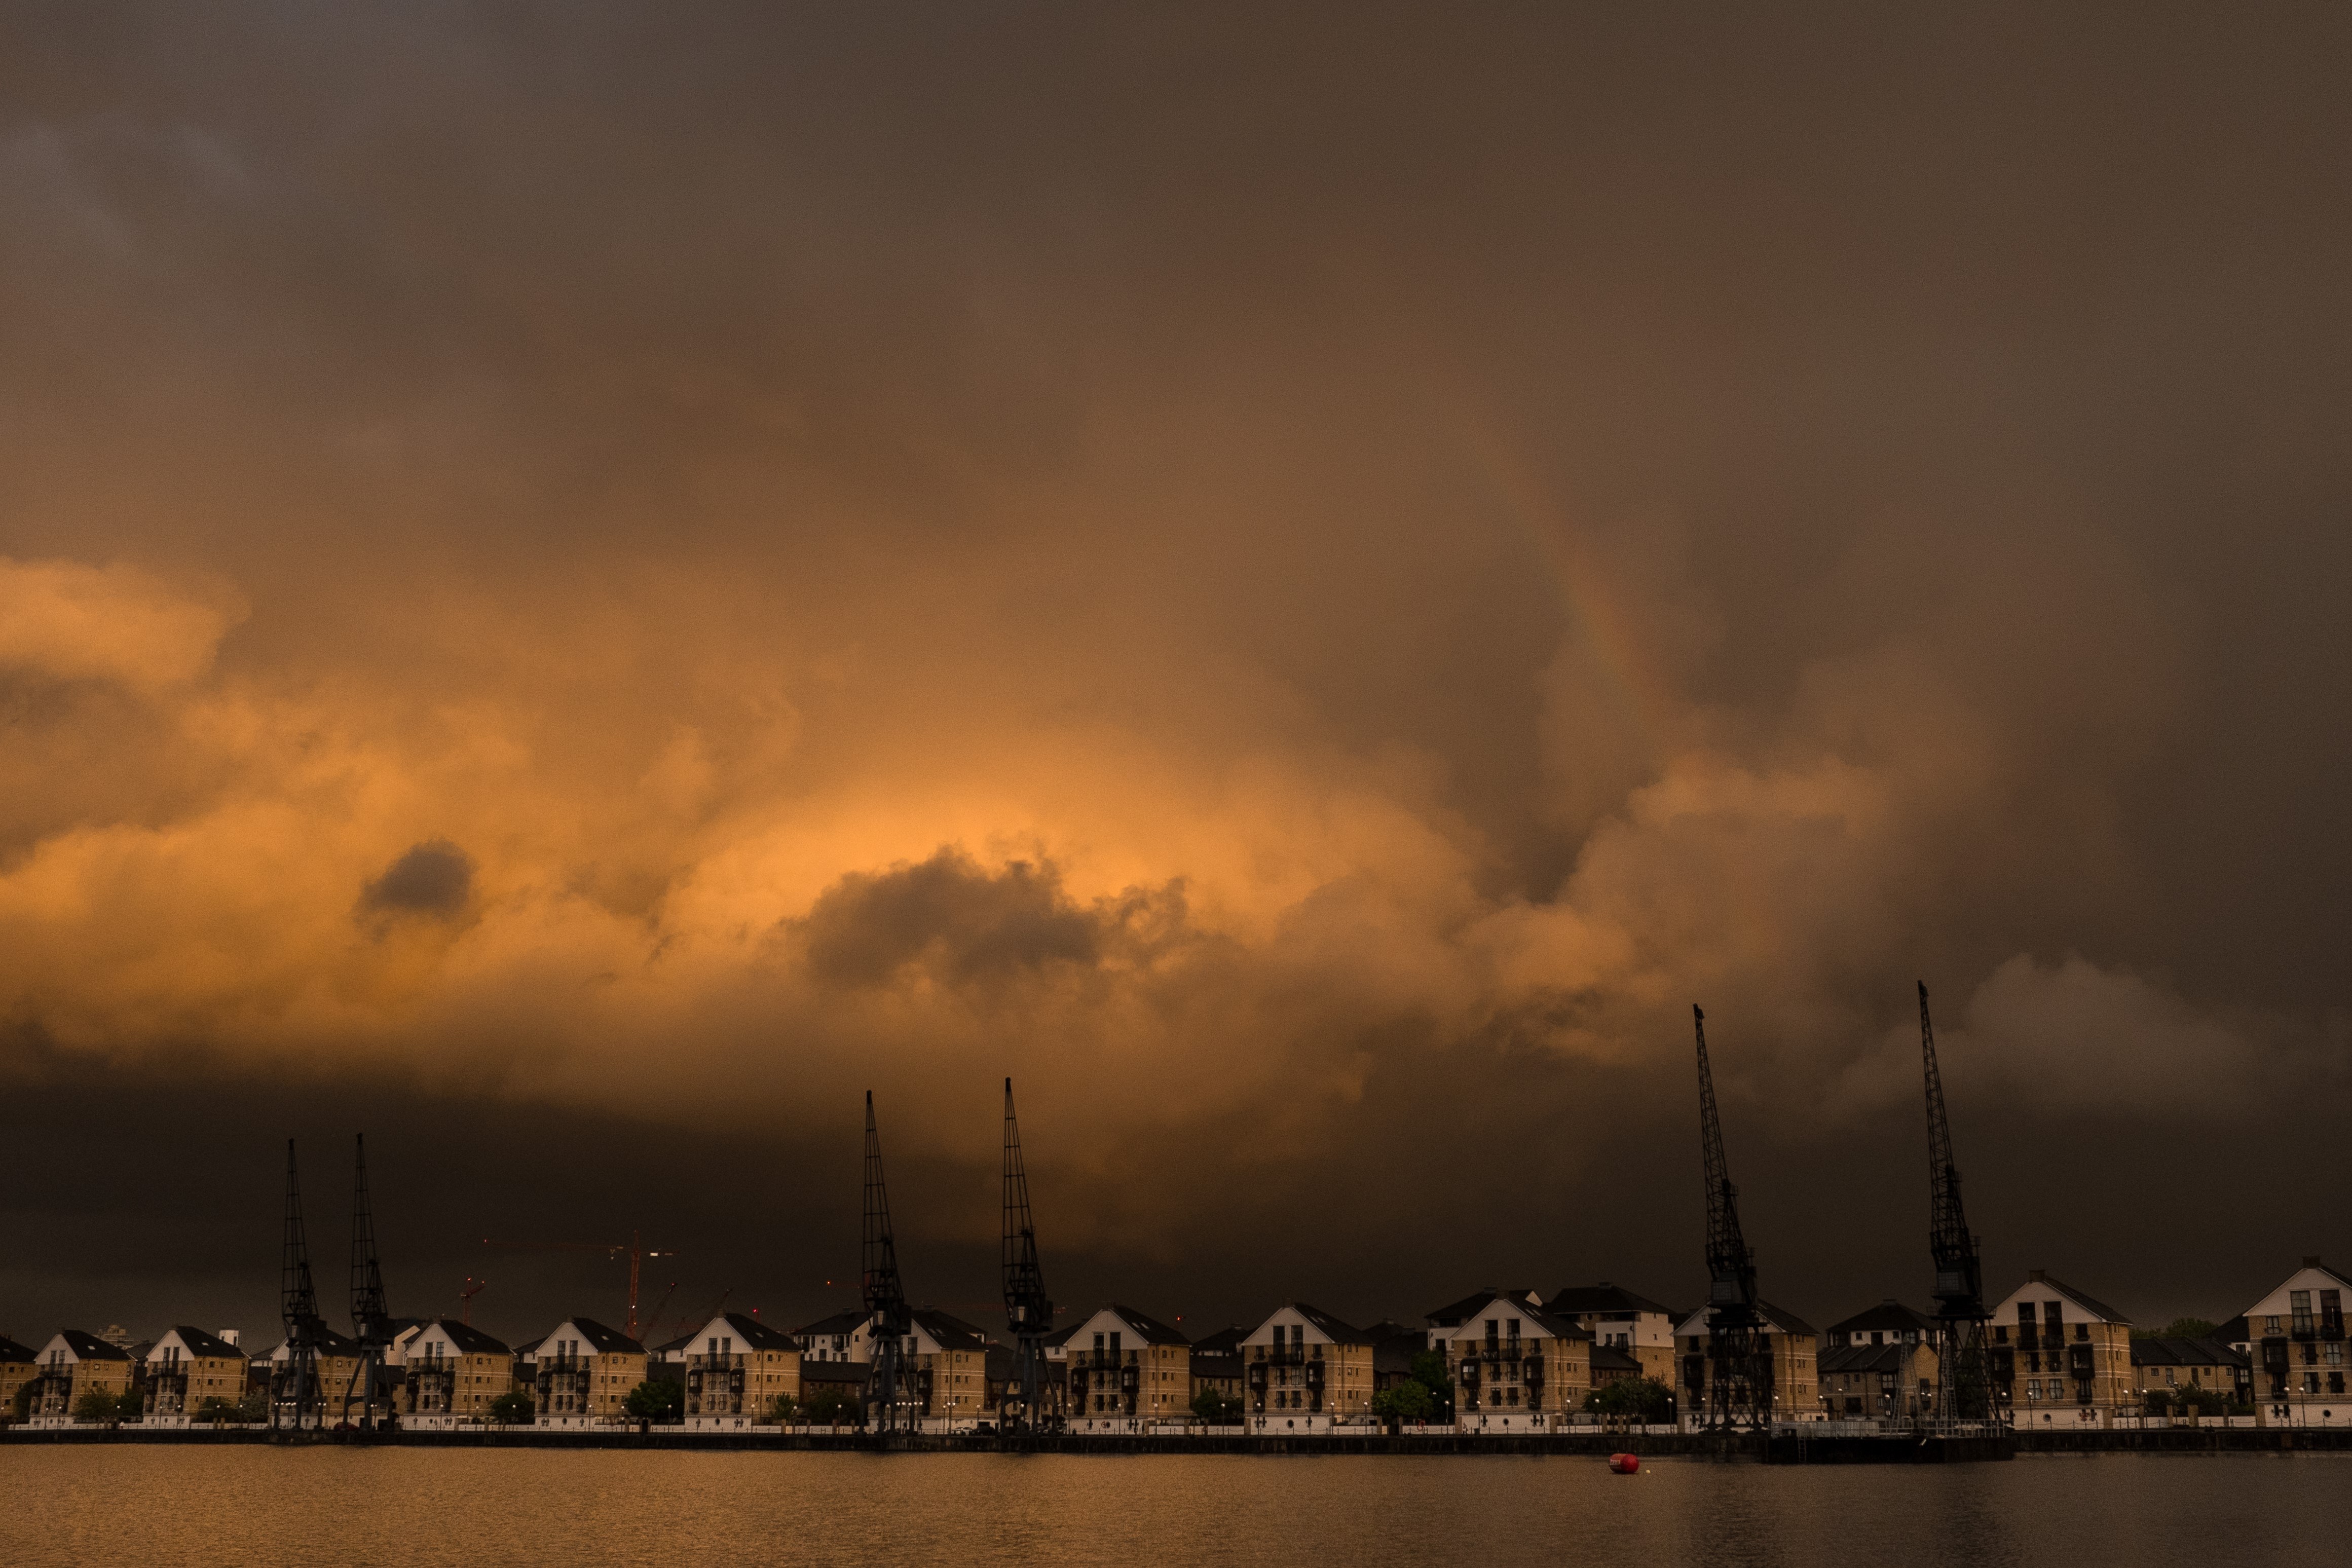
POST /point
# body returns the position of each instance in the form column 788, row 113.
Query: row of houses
column 1497, row 1360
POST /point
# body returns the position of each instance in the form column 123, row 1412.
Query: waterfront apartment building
column 843, row 1336
column 19, row 1367
column 1619, row 1320
column 73, row 1364
column 1302, row 1367
column 1795, row 1350
column 949, row 1360
column 1216, row 1362
column 2296, row 1336
column 1125, row 1367
column 585, row 1373
column 737, row 1368
column 188, row 1366
column 1515, row 1366
column 2180, row 1368
column 2060, row 1356
column 1878, row 1364
column 455, row 1370
column 338, row 1371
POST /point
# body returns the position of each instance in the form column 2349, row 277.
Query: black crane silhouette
column 1963, row 1388
column 1737, row 1370
column 1028, row 1311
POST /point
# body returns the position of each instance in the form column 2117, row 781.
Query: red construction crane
column 466, row 1299
column 631, row 1249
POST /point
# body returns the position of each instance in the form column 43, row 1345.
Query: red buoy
column 1625, row 1464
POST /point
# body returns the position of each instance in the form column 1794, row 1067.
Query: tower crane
column 1739, row 1355
column 889, row 1323
column 1963, row 1391
column 1029, row 1312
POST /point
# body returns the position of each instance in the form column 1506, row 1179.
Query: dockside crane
column 1028, row 1311
column 1963, row 1385
column 890, row 1324
column 1738, row 1361
column 295, row 1401
column 371, row 1318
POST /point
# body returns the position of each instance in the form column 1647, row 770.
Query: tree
column 1215, row 1409
column 130, row 1406
column 784, row 1411
column 215, row 1409
column 657, row 1401
column 1630, row 1400
column 21, row 1408
column 95, row 1407
column 514, row 1410
column 1408, row 1401
column 833, row 1406
column 1430, row 1371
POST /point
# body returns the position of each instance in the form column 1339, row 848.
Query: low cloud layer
column 1302, row 586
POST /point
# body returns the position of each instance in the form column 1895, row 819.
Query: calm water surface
column 356, row 1507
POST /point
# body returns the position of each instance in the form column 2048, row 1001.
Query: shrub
column 833, row 1408
column 95, row 1407
column 513, row 1409
column 658, row 1401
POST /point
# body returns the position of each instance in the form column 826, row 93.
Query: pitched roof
column 1604, row 1298
column 469, row 1340
column 1450, row 1315
column 1788, row 1323
column 90, row 1347
column 1889, row 1316
column 2089, row 1304
column 755, row 1334
column 674, row 1349
column 602, row 1339
column 1153, row 1331
column 1337, row 1333
column 837, row 1372
column 1552, row 1324
column 11, row 1350
column 1859, row 1359
column 2234, row 1331
column 1061, row 1336
column 845, row 1322
column 952, row 1334
column 1223, row 1339
column 2159, row 1350
column 201, row 1343
column 1609, row 1358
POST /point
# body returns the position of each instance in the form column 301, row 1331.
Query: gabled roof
column 1695, row 1321
column 1061, row 1336
column 601, row 1339
column 469, row 1340
column 2234, row 1331
column 1602, row 1299
column 1609, row 1358
column 1153, row 1331
column 853, row 1373
column 1552, row 1324
column 753, row 1333
column 528, row 1349
column 200, row 1344
column 952, row 1334
column 2164, row 1351
column 1333, row 1329
column 1449, row 1315
column 1223, row 1339
column 90, row 1347
column 1860, row 1359
column 2097, row 1308
column 11, row 1350
column 1889, row 1316
column 674, row 1349
column 845, row 1322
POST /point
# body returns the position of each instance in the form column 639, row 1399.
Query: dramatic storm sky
column 581, row 584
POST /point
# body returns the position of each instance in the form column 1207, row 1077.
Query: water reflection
column 140, row 1506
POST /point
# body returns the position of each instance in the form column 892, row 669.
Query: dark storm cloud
column 1395, row 548
column 432, row 878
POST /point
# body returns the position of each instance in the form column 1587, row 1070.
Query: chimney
column 2038, row 1276
column 227, row 1336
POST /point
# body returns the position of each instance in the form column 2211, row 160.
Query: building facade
column 19, row 1367
column 2295, row 1338
column 1795, row 1351
column 74, row 1363
column 188, row 1366
column 2061, row 1357
column 2186, row 1374
column 585, row 1374
column 1127, row 1368
column 1514, row 1366
column 455, row 1370
column 737, row 1368
column 1302, row 1367
column 1879, row 1364
column 1620, row 1320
